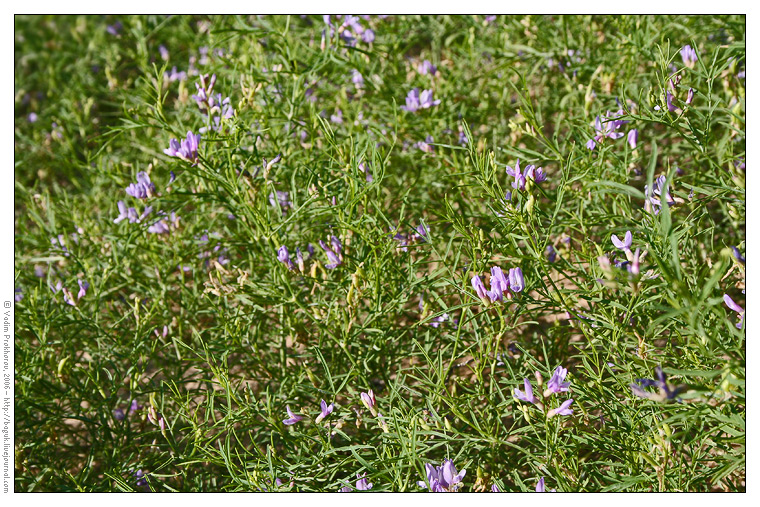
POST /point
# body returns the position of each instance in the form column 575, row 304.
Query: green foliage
column 246, row 337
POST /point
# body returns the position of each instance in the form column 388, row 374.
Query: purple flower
column 591, row 144
column 444, row 478
column 606, row 126
column 495, row 488
column 357, row 78
column 17, row 295
column 163, row 52
column 118, row 414
column 516, row 280
column 669, row 101
column 557, row 383
column 666, row 391
column 32, row 117
column 427, row 68
column 368, row 36
column 333, row 253
column 416, row 100
column 326, row 411
column 284, row 256
column 690, row 96
column 204, row 98
column 83, row 286
column 541, row 487
column 362, row 484
column 624, row 245
column 143, row 189
column 689, row 56
column 141, row 481
column 551, row 253
column 527, row 395
column 422, row 232
column 633, row 138
column 187, row 149
column 659, row 187
column 480, row 289
column 516, row 173
column 561, row 410
column 535, row 174
column 738, row 309
column 368, row 399
column 738, row 255
column 425, row 145
column 634, row 267
column 115, row 28
column 499, row 285
column 292, row 418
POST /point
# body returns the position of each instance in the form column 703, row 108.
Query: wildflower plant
column 377, row 253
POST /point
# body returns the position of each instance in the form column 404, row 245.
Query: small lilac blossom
column 118, row 414
column 666, row 391
column 516, row 280
column 669, row 101
column 187, row 149
column 143, row 189
column 557, row 383
column 368, row 399
column 292, row 418
column 427, row 68
column 690, row 96
column 624, row 245
column 527, row 395
column 32, row 117
column 541, row 487
column 362, row 484
column 204, row 97
column 115, row 28
column 444, row 478
column 326, row 410
column 689, row 56
column 357, row 78
column 163, row 52
column 141, row 481
column 83, row 286
column 652, row 203
column 368, row 36
column 606, row 127
column 480, row 289
column 633, row 138
column 284, row 256
column 173, row 75
column 536, row 174
column 591, row 144
column 333, row 255
column 337, row 117
column 634, row 267
column 18, row 295
column 495, row 488
column 561, row 410
column 738, row 309
column 551, row 253
column 516, row 173
column 738, row 256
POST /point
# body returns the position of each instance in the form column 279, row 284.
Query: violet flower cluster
column 522, row 177
column 659, row 188
column 187, row 149
column 606, row 127
column 350, row 29
column 501, row 286
column 730, row 303
column 555, row 385
column 666, row 392
column 416, row 100
column 442, row 479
